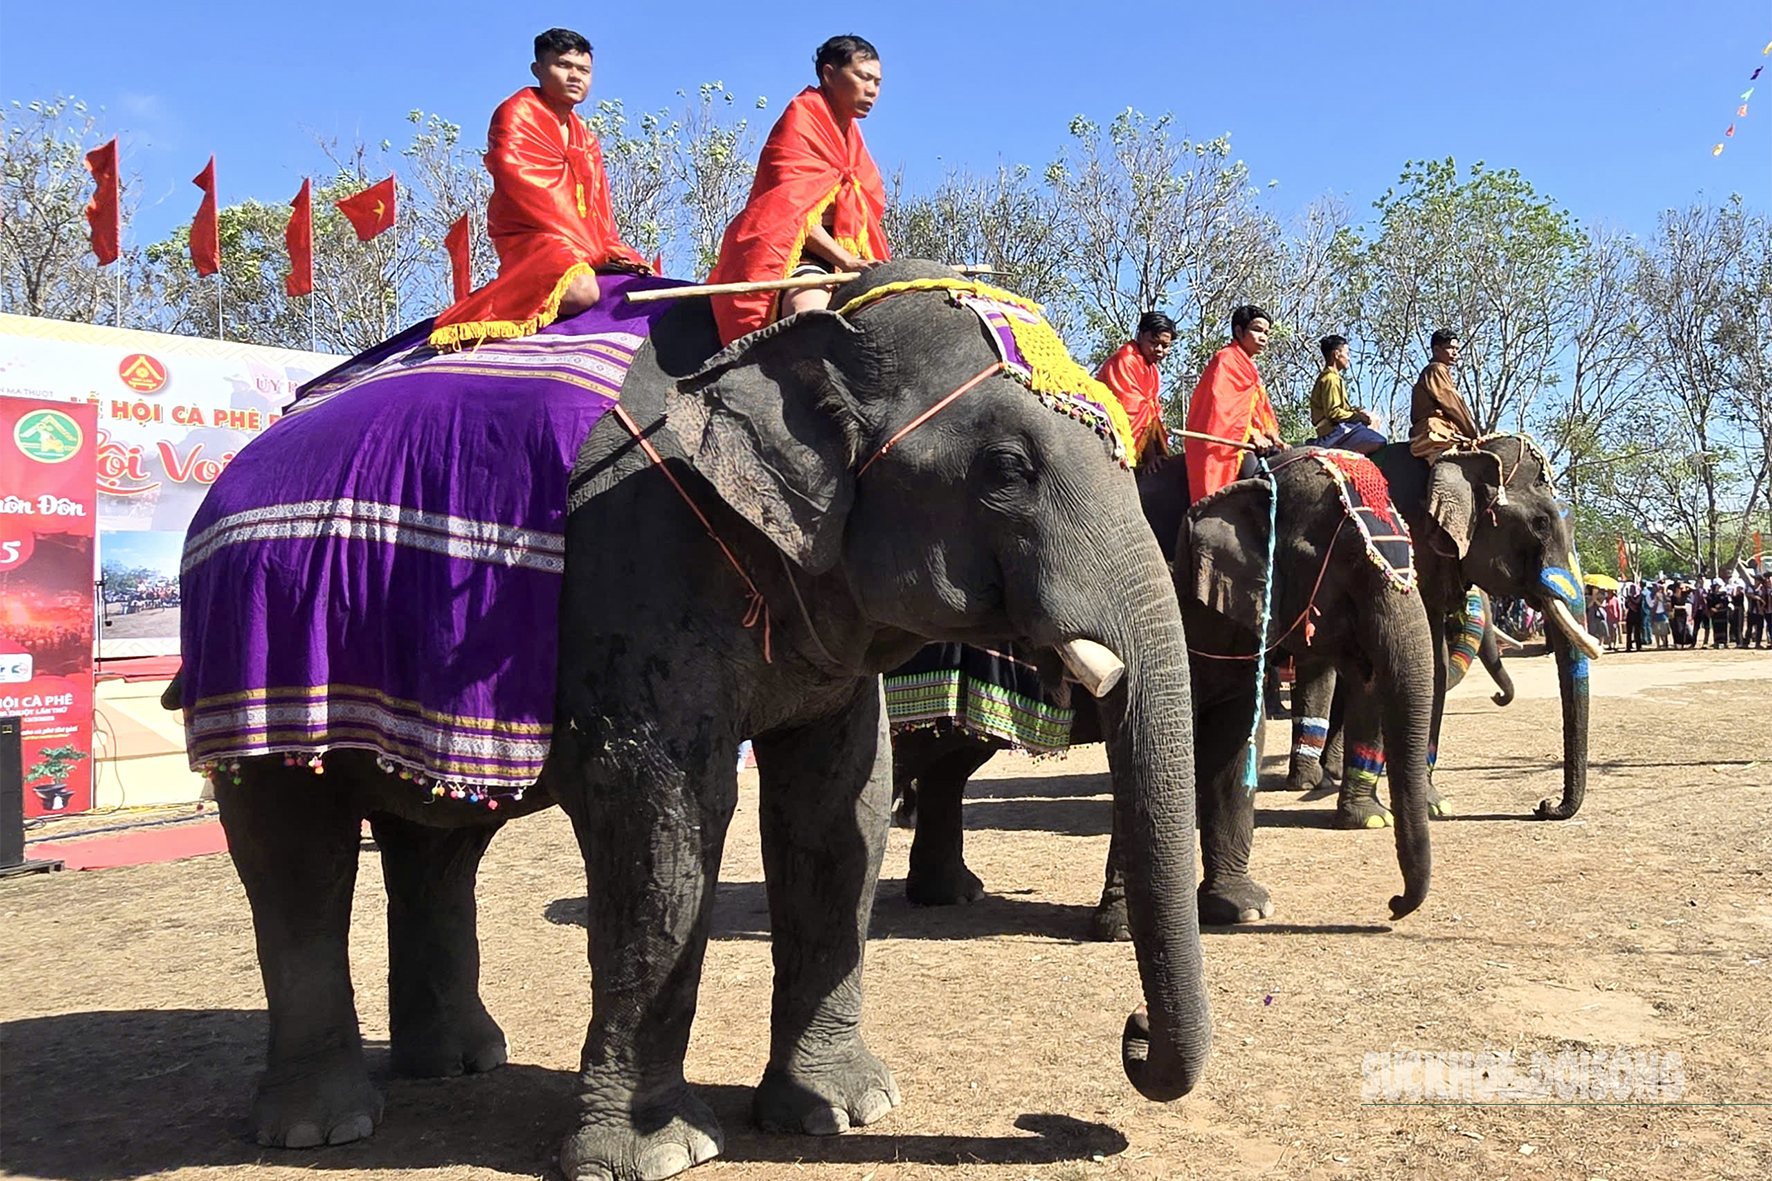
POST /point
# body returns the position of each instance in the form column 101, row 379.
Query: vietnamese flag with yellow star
column 371, row 211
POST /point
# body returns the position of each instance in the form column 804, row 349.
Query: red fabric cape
column 806, row 165
column 1138, row 385
column 549, row 218
column 1229, row 402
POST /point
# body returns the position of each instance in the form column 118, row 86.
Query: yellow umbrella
column 1602, row 581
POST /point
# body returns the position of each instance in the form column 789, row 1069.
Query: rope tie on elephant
column 756, row 608
column 990, row 370
column 1305, row 617
column 1252, row 767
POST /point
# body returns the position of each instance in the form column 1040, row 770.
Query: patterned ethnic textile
column 985, row 692
column 1366, row 499
column 1466, row 637
column 380, row 570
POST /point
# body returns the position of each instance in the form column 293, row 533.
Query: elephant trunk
column 1148, row 722
column 1572, row 684
column 1403, row 669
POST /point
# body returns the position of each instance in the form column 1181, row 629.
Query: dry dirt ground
column 134, row 1022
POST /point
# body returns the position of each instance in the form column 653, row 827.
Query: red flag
column 1623, row 562
column 299, row 238
column 205, row 238
column 460, row 261
column 101, row 211
column 370, row 211
column 658, row 264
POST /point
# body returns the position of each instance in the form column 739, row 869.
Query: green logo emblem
column 48, row 436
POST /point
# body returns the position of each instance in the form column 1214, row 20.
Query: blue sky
column 1611, row 108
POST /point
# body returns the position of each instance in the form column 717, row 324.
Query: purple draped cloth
column 381, row 569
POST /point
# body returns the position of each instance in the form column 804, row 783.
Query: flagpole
column 312, row 346
column 219, row 335
column 399, row 322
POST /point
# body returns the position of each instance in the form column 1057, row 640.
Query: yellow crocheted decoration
column 1053, row 371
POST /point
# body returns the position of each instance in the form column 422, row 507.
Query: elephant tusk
column 1578, row 635
column 1092, row 665
column 1507, row 641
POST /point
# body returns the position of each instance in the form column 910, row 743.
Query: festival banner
column 171, row 412
column 48, row 510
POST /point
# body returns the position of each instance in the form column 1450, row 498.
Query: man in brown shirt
column 1439, row 418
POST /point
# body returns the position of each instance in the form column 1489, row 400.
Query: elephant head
column 1493, row 518
column 974, row 517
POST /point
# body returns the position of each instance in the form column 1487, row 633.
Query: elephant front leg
column 293, row 838
column 1358, row 805
column 1227, row 819
column 437, row 1025
column 1312, row 693
column 825, row 798
column 651, row 832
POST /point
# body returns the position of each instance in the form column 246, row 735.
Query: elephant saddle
column 1365, row 498
column 380, row 570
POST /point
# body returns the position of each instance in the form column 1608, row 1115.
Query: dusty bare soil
column 135, row 1026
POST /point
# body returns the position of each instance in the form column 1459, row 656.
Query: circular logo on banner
column 48, row 436
column 142, row 373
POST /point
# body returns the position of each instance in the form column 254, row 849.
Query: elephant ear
column 1227, row 540
column 770, row 424
column 1452, row 496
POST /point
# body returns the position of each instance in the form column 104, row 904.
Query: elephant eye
column 1009, row 465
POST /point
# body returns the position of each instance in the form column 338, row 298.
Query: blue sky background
column 1611, row 108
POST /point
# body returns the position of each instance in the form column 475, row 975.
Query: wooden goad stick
column 798, row 283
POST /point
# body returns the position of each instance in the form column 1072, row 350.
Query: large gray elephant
column 1490, row 517
column 968, row 526
column 1330, row 601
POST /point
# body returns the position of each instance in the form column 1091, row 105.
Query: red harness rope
column 1310, row 608
column 757, row 608
column 928, row 414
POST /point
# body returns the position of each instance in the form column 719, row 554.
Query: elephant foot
column 1438, row 806
column 680, row 1133
column 824, row 1100
column 331, row 1102
column 1231, row 901
column 444, row 1048
column 950, row 885
column 1358, row 807
column 1110, row 923
column 1306, row 775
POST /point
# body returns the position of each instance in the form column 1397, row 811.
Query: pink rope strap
column 757, row 608
column 993, row 368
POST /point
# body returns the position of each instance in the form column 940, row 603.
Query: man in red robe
column 549, row 218
column 816, row 202
column 1231, row 403
column 1132, row 374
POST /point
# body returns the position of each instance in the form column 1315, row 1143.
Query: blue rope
column 1251, row 769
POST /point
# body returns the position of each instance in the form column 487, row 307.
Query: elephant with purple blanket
column 858, row 482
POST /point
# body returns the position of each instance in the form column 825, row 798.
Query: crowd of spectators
column 1665, row 613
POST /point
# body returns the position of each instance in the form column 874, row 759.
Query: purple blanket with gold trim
column 381, row 569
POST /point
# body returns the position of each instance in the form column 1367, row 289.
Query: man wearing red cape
column 1231, row 403
column 549, row 218
column 1131, row 373
column 816, row 203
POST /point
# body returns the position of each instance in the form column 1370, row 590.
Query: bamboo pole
column 798, row 283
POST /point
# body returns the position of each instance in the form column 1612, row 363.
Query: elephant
column 1489, row 516
column 861, row 531
column 1318, row 750
column 1346, row 611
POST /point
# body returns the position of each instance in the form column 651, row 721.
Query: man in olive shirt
column 1439, row 419
column 1338, row 423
